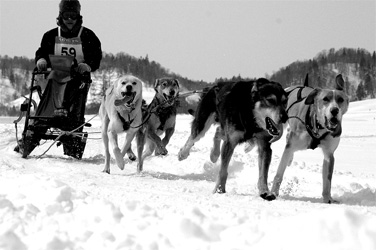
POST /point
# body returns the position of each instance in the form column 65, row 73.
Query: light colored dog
column 161, row 117
column 120, row 111
column 315, row 117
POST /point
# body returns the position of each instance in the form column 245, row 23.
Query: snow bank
column 45, row 213
column 57, row 202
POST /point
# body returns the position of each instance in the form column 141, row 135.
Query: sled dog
column 252, row 111
column 120, row 111
column 160, row 115
column 315, row 117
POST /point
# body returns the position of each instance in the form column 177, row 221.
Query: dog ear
column 311, row 97
column 340, row 83
column 177, row 82
column 262, row 81
column 156, row 84
column 306, row 81
column 255, row 87
column 259, row 83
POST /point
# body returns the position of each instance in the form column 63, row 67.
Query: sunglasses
column 70, row 15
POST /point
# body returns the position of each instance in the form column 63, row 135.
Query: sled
column 59, row 116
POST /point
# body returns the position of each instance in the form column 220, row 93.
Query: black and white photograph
column 187, row 124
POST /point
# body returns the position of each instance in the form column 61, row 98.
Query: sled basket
column 61, row 107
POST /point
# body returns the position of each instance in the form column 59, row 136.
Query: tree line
column 356, row 65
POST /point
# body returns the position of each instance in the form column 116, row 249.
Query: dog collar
column 165, row 103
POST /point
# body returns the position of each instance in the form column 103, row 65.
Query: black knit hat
column 69, row 5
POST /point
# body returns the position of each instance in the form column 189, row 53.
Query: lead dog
column 315, row 119
column 120, row 112
column 246, row 111
column 161, row 117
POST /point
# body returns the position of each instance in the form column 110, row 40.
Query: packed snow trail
column 57, row 202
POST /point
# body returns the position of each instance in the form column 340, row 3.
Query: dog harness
column 126, row 124
column 310, row 123
column 312, row 126
column 69, row 46
column 299, row 97
column 163, row 110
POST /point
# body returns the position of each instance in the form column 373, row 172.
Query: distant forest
column 18, row 70
column 356, row 65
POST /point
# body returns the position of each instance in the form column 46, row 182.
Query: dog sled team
column 252, row 112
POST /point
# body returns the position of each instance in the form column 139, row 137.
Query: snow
column 56, row 202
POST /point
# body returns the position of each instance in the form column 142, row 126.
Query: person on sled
column 72, row 51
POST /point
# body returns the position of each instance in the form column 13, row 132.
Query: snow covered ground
column 56, row 202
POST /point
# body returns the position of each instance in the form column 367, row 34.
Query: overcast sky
column 202, row 40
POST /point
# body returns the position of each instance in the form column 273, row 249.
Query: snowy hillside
column 6, row 91
column 56, row 202
column 349, row 71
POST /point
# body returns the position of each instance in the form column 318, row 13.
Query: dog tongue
column 274, row 129
column 123, row 100
column 277, row 137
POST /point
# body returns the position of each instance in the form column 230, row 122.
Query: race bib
column 69, row 47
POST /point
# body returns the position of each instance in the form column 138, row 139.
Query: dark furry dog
column 317, row 122
column 250, row 111
column 161, row 117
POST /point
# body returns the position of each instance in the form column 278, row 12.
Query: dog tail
column 205, row 109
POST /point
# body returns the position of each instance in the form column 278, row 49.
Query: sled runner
column 60, row 113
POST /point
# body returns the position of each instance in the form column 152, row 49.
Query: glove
column 83, row 67
column 42, row 64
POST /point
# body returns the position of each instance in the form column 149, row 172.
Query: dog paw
column 120, row 162
column 219, row 189
column 132, row 157
column 106, row 171
column 268, row 196
column 183, row 155
column 330, row 200
column 139, row 168
column 161, row 151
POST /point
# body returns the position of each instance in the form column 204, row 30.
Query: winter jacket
column 91, row 46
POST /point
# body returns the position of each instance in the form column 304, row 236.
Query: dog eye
column 326, row 99
column 271, row 101
column 134, row 83
column 123, row 83
column 340, row 100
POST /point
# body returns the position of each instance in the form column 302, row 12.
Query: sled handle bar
column 84, row 77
